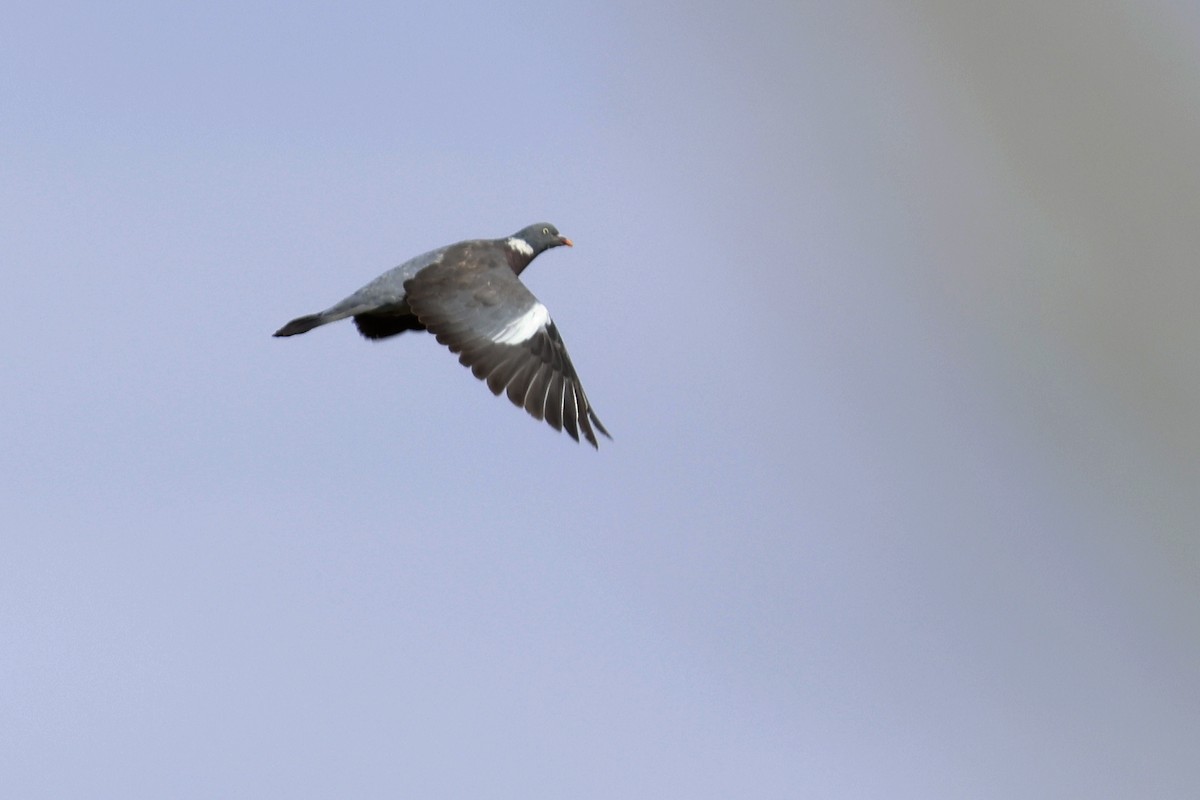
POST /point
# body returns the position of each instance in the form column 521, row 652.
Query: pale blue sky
column 890, row 310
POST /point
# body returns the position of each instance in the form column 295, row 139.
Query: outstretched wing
column 475, row 305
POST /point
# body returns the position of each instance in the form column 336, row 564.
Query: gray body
column 383, row 297
column 469, row 295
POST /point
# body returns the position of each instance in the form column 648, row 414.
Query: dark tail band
column 300, row 325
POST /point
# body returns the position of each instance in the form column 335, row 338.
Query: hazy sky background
column 890, row 308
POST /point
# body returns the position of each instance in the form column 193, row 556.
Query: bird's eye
column 546, row 231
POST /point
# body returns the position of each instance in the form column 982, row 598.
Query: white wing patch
column 524, row 326
column 520, row 245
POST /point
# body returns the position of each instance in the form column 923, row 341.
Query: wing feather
column 476, row 306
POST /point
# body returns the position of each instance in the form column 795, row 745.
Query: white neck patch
column 524, row 326
column 520, row 245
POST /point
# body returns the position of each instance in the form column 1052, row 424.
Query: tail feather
column 302, row 325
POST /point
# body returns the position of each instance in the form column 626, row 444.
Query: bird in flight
column 470, row 297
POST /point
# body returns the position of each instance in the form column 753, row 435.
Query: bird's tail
column 302, row 324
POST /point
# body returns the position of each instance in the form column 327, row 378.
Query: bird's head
column 541, row 236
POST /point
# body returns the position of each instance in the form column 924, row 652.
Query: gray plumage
column 470, row 297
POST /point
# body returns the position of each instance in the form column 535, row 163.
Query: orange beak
column 566, row 241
